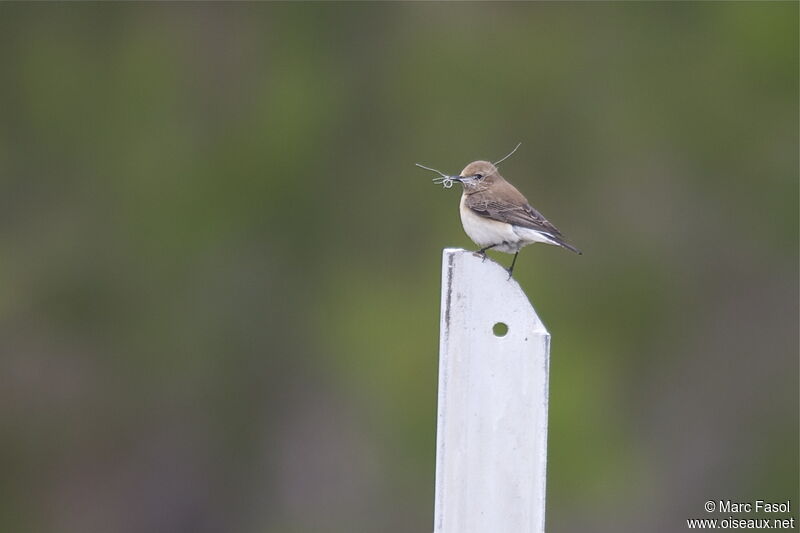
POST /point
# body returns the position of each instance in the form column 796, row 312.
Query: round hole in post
column 500, row 329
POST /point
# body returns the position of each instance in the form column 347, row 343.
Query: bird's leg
column 482, row 251
column 511, row 268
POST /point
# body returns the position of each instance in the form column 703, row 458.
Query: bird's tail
column 569, row 247
column 564, row 244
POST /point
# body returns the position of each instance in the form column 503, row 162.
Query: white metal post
column 491, row 449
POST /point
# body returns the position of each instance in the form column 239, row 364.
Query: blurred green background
column 219, row 267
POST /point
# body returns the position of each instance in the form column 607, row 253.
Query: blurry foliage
column 219, row 267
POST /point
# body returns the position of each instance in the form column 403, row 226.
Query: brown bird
column 496, row 216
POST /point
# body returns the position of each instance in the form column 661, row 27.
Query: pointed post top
column 499, row 297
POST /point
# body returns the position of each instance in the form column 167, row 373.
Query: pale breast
column 486, row 232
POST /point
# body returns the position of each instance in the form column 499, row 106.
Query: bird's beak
column 459, row 179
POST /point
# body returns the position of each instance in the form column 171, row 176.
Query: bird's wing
column 522, row 214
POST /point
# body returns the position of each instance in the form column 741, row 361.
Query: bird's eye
column 479, row 176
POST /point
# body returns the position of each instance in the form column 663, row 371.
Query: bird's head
column 478, row 176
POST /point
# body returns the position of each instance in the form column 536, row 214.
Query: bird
column 496, row 216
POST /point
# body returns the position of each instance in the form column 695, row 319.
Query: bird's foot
column 482, row 252
column 511, row 268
